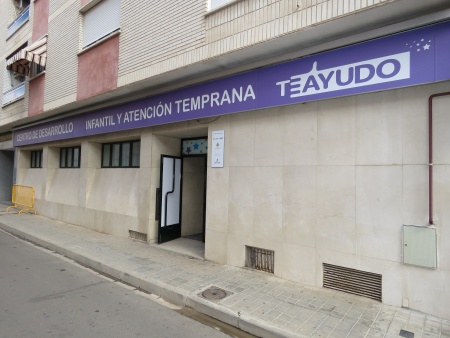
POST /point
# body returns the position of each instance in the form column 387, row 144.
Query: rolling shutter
column 100, row 21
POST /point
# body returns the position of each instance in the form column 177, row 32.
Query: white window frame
column 100, row 21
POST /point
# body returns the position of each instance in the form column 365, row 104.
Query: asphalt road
column 44, row 295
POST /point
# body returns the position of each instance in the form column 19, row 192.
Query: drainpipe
column 430, row 155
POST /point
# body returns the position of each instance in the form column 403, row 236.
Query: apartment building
column 304, row 138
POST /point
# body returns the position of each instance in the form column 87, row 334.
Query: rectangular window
column 100, row 21
column 36, row 159
column 121, row 154
column 136, row 154
column 106, row 155
column 70, row 157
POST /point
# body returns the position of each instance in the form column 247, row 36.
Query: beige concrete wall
column 33, row 177
column 334, row 182
column 110, row 201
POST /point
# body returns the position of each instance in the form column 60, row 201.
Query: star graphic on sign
column 419, row 45
column 196, row 146
column 188, row 150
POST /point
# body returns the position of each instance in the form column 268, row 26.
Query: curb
column 165, row 291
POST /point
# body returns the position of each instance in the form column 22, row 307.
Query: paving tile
column 280, row 323
column 305, row 331
column 426, row 334
column 432, row 329
column 293, row 311
column 338, row 314
column 321, row 333
column 355, row 334
column 376, row 332
column 392, row 335
column 338, row 334
column 331, row 322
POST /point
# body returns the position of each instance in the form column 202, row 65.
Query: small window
column 121, row 154
column 70, row 157
column 100, row 21
column 36, row 159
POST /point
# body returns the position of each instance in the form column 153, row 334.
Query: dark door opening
column 6, row 175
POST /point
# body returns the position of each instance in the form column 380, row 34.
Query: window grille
column 260, row 259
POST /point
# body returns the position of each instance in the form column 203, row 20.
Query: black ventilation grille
column 361, row 283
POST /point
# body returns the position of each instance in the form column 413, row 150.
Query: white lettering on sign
column 385, row 69
column 215, row 99
column 100, row 122
column 60, row 129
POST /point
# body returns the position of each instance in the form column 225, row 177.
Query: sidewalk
column 257, row 302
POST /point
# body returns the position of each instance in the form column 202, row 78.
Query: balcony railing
column 20, row 20
column 13, row 94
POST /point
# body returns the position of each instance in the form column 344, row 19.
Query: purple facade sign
column 411, row 58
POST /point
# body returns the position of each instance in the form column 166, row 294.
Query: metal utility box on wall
column 419, row 246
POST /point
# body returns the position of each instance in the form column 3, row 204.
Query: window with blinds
column 100, row 21
column 215, row 4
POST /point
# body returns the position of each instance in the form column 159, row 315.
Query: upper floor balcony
column 13, row 94
column 18, row 22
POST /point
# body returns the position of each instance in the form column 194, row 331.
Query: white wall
column 334, row 182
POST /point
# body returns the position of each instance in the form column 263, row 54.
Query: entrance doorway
column 182, row 194
column 6, row 175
